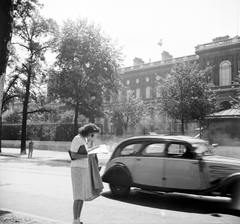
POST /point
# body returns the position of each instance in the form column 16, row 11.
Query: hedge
column 42, row 132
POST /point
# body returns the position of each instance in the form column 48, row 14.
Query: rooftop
column 230, row 113
column 160, row 63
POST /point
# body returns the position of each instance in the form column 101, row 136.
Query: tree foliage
column 12, row 117
column 86, row 68
column 235, row 100
column 186, row 95
column 127, row 111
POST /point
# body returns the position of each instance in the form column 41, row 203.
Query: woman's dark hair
column 88, row 129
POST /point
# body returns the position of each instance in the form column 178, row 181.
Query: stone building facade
column 223, row 54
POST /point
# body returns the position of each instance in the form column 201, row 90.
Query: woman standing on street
column 80, row 172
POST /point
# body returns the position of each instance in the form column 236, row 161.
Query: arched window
column 225, row 73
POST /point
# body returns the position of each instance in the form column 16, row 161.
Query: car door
column 181, row 172
column 148, row 166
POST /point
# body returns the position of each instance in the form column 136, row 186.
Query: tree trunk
column 182, row 127
column 6, row 21
column 76, row 119
column 24, row 117
column 0, row 132
column 1, row 98
column 200, row 129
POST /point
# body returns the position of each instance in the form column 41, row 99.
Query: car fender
column 117, row 174
column 226, row 184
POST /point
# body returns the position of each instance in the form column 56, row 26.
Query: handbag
column 81, row 150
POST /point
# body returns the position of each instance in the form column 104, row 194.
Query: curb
column 33, row 216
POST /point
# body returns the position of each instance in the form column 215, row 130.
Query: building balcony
column 218, row 44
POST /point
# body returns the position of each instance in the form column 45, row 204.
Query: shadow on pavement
column 4, row 212
column 176, row 202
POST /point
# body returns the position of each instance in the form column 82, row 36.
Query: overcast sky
column 138, row 25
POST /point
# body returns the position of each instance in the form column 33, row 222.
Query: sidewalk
column 48, row 155
column 10, row 216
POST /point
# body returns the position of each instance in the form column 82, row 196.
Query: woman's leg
column 77, row 208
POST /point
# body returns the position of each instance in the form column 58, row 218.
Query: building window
column 148, row 92
column 225, row 73
column 137, row 93
column 157, row 91
column 129, row 92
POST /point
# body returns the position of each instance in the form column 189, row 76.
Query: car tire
column 119, row 191
column 235, row 196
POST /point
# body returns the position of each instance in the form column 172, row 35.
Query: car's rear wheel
column 235, row 196
column 119, row 191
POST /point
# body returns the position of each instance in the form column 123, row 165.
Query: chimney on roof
column 137, row 61
column 166, row 55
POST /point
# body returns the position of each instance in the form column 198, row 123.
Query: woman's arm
column 75, row 156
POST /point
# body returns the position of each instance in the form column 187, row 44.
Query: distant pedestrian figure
column 30, row 151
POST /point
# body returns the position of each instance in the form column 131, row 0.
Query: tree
column 86, row 68
column 8, row 10
column 235, row 100
column 34, row 35
column 126, row 112
column 6, row 22
column 185, row 94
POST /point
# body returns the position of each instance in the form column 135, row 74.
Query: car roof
column 184, row 138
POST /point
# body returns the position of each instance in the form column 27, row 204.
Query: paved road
column 41, row 186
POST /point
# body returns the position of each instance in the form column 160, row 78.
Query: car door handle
column 138, row 159
column 195, row 163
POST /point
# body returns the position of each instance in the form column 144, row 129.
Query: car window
column 130, row 149
column 176, row 149
column 154, row 150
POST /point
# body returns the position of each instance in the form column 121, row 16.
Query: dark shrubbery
column 11, row 132
column 64, row 132
column 41, row 132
